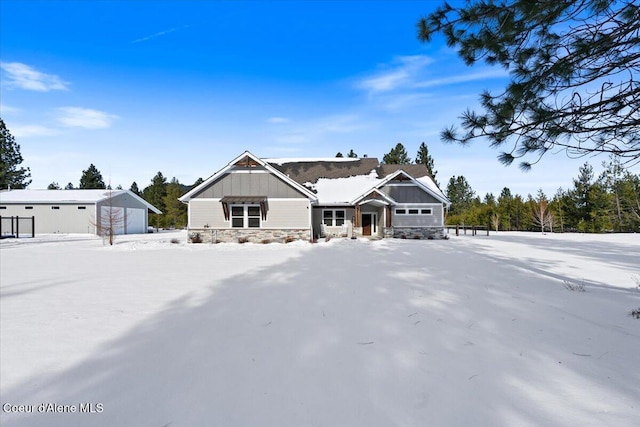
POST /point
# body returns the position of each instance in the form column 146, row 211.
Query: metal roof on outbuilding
column 67, row 197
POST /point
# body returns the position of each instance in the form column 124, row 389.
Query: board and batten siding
column 433, row 220
column 281, row 214
column 408, row 194
column 257, row 183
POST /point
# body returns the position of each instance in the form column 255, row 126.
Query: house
column 78, row 211
column 256, row 199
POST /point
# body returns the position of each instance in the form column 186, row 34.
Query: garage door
column 135, row 221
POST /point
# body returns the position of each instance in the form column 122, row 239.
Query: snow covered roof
column 332, row 180
column 66, row 196
column 283, row 160
column 343, row 190
column 428, row 182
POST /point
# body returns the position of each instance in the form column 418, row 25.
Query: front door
column 366, row 224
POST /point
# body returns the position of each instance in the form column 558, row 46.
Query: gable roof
column 425, row 182
column 247, row 158
column 340, row 180
column 67, row 196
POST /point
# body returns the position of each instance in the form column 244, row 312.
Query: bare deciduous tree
column 110, row 219
column 495, row 221
column 541, row 214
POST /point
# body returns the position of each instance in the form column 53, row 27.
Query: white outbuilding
column 77, row 211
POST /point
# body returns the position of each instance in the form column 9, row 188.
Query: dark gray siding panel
column 249, row 184
column 124, row 200
column 408, row 194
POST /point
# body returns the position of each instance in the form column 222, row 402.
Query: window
column 414, row 211
column 82, row 207
column 253, row 216
column 28, row 207
column 245, row 216
column 237, row 216
column 333, row 217
column 55, row 207
column 3, row 207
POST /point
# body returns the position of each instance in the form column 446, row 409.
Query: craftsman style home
column 254, row 199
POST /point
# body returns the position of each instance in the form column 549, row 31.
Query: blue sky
column 137, row 87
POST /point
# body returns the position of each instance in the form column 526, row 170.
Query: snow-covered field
column 473, row 331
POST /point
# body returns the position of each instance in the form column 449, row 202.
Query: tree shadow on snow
column 362, row 334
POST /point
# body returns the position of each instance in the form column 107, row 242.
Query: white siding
column 281, row 213
column 206, row 212
column 67, row 219
column 287, row 213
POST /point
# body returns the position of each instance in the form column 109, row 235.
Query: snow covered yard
column 474, row 331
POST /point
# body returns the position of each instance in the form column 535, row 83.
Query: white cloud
column 494, row 73
column 158, row 34
column 22, row 76
column 316, row 130
column 402, row 73
column 85, row 118
column 278, row 120
column 7, row 109
column 27, row 131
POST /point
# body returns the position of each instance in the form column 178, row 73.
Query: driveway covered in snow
column 467, row 332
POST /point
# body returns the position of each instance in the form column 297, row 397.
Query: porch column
column 356, row 222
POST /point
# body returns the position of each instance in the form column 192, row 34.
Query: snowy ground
column 474, row 331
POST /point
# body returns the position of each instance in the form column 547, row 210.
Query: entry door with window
column 367, row 222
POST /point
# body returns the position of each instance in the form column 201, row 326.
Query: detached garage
column 78, row 211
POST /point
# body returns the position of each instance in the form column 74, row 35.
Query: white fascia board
column 376, row 189
column 186, row 197
column 141, row 200
column 416, row 182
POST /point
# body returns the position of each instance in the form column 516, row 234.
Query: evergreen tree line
column 160, row 193
column 609, row 202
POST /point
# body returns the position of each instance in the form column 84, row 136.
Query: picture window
column 245, row 216
column 333, row 217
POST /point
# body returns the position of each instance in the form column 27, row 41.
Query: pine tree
column 69, row 186
column 155, row 194
column 572, row 69
column 461, row 195
column 505, row 208
column 424, row 158
column 175, row 211
column 91, row 179
column 134, row 189
column 339, row 154
column 198, row 182
column 397, row 156
column 11, row 175
column 53, row 186
column 581, row 197
column 352, row 154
